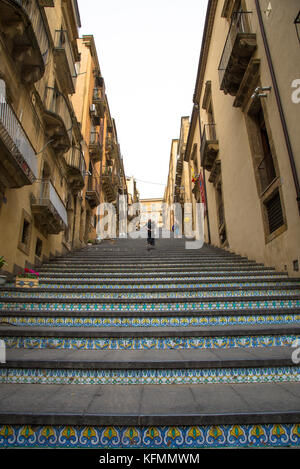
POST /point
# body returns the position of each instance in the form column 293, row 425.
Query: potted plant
column 27, row 279
column 2, row 276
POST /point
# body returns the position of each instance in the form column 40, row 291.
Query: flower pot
column 25, row 282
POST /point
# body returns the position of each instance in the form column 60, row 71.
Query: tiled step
column 141, row 295
column 80, row 286
column 153, row 306
column 121, row 347
column 212, row 276
column 179, row 321
column 120, row 269
column 259, row 405
column 152, row 338
column 149, row 262
column 149, row 367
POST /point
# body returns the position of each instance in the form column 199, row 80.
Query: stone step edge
column 180, row 269
column 233, row 274
column 143, row 262
column 151, row 290
column 75, row 281
column 175, row 300
column 183, row 364
column 81, row 332
column 144, row 420
column 150, row 314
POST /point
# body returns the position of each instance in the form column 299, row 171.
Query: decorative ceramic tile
column 147, row 343
column 173, row 277
column 153, row 321
column 156, row 286
column 151, row 307
column 168, row 437
column 149, row 295
column 165, row 376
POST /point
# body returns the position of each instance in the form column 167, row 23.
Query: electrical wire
column 148, row 182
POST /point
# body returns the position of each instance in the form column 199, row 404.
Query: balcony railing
column 209, row 146
column 110, row 183
column 33, row 11
column 75, row 160
column 49, row 209
column 61, row 128
column 93, row 184
column 93, row 190
column 30, row 44
column 99, row 100
column 17, row 143
column 94, row 138
column 95, row 146
column 66, row 65
column 239, row 47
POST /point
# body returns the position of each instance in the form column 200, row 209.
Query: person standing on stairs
column 150, row 239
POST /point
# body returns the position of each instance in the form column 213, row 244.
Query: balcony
column 76, row 169
column 95, row 147
column 99, row 100
column 65, row 61
column 26, row 37
column 111, row 146
column 58, row 120
column 239, row 47
column 94, row 115
column 50, row 214
column 209, row 148
column 93, row 191
column 110, row 185
column 18, row 161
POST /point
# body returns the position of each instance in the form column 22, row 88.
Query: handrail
column 14, row 129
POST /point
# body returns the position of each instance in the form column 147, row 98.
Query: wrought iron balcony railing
column 76, row 161
column 209, row 146
column 48, row 208
column 59, row 123
column 18, row 147
column 64, row 53
column 239, row 47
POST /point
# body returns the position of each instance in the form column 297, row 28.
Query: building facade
column 59, row 155
column 243, row 140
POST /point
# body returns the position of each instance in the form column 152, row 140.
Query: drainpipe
column 279, row 104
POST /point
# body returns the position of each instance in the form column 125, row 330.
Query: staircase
column 121, row 347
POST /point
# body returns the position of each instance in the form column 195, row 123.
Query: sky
column 148, row 53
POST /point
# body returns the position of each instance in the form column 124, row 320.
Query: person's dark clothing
column 150, row 240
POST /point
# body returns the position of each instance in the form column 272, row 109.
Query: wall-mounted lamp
column 297, row 25
column 260, row 92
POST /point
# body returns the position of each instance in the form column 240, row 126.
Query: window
column 38, row 247
column 274, row 212
column 266, row 170
column 25, row 233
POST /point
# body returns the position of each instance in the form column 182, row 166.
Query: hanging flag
column 202, row 190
